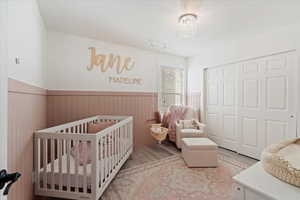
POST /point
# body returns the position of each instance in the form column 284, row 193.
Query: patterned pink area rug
column 171, row 179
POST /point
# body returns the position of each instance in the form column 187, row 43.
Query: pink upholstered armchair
column 174, row 114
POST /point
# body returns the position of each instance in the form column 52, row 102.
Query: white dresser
column 256, row 184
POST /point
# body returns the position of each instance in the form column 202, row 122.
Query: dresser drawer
column 238, row 192
column 244, row 193
column 250, row 195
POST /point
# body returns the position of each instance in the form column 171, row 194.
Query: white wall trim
column 3, row 87
column 249, row 59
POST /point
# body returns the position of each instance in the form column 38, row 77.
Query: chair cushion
column 192, row 131
column 199, row 144
column 188, row 124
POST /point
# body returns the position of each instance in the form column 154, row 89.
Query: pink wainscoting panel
column 66, row 106
column 27, row 112
column 194, row 100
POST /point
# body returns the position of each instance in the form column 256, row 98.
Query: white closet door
column 250, row 105
column 250, row 108
column 212, row 114
column 221, row 105
column 228, row 118
column 266, row 102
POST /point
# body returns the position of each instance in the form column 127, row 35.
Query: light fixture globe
column 188, row 25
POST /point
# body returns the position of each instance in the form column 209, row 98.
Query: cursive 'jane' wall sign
column 113, row 62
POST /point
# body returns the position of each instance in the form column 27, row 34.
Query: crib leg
column 130, row 157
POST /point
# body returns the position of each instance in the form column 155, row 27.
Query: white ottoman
column 199, row 152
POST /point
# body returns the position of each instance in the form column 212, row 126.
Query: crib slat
column 60, row 153
column 76, row 166
column 37, row 161
column 52, row 163
column 83, row 128
column 45, row 163
column 123, row 143
column 111, row 151
column 84, row 143
column 116, row 147
column 94, row 173
column 101, row 161
column 105, row 157
column 68, row 165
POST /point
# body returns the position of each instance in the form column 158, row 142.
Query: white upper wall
column 69, row 56
column 273, row 41
column 26, row 41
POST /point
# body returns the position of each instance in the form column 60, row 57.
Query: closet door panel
column 275, row 131
column 280, row 89
column 213, row 77
column 229, row 126
column 212, row 121
column 267, row 94
column 228, row 107
column 250, row 119
column 250, row 93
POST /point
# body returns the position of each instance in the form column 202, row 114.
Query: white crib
column 59, row 174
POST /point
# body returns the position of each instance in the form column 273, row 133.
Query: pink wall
column 27, row 112
column 65, row 106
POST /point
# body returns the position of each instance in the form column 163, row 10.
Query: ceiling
column 135, row 22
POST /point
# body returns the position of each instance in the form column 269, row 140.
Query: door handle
column 8, row 179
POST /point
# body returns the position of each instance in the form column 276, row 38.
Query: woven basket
column 158, row 132
column 278, row 166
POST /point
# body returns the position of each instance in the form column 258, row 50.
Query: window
column 172, row 87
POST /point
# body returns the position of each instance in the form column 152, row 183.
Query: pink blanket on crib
column 170, row 118
column 82, row 152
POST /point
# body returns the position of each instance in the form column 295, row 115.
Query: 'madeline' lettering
column 125, row 80
column 105, row 62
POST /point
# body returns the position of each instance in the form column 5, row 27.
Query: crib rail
column 70, row 163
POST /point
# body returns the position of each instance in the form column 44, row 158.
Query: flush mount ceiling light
column 187, row 21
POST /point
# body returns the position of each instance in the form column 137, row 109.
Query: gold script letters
column 110, row 61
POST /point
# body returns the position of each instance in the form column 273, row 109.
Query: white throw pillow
column 188, row 124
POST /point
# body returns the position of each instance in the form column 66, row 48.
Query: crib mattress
column 65, row 175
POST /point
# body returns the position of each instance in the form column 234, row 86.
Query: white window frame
column 160, row 92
